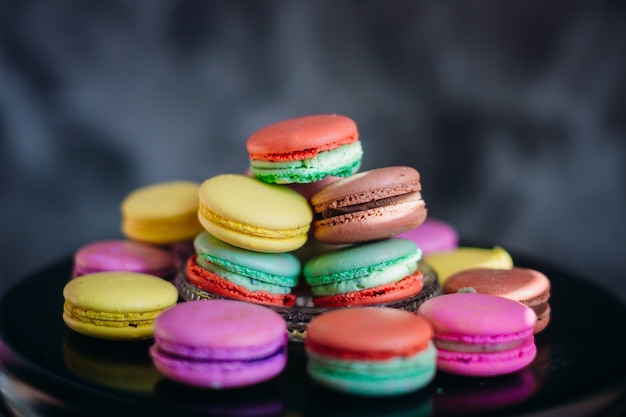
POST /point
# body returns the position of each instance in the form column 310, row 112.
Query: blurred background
column 512, row 111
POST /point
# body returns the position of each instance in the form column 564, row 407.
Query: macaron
column 480, row 334
column 528, row 286
column 124, row 255
column 370, row 351
column 433, row 235
column 369, row 205
column 365, row 274
column 116, row 305
column 232, row 272
column 162, row 213
column 251, row 214
column 219, row 343
column 466, row 257
column 305, row 149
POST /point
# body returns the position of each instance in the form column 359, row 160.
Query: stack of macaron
column 304, row 219
column 303, row 187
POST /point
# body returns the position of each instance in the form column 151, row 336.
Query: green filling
column 362, row 272
column 240, row 270
column 387, row 275
column 340, row 162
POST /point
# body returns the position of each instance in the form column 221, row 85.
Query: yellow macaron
column 465, row 257
column 251, row 214
column 116, row 305
column 162, row 213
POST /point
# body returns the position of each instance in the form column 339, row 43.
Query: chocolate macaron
column 370, row 205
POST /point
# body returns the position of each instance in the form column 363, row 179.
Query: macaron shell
column 120, row 292
column 433, row 235
column 405, row 288
column 161, row 213
column 235, row 327
column 375, row 184
column 254, row 215
column 464, row 257
column 487, row 364
column 389, row 332
column 302, row 137
column 519, row 284
column 477, row 316
column 124, row 255
column 219, row 375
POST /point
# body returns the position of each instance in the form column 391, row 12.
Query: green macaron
column 361, row 267
column 257, row 271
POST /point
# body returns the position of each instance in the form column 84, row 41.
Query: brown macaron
column 528, row 286
column 370, row 205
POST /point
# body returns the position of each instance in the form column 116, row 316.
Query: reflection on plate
column 45, row 367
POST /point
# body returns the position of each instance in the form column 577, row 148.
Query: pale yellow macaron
column 116, row 305
column 162, row 213
column 251, row 214
column 449, row 262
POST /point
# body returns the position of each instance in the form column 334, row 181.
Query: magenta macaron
column 124, row 255
column 480, row 334
column 219, row 343
column 433, row 236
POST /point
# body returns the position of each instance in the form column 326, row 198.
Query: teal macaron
column 275, row 273
column 367, row 273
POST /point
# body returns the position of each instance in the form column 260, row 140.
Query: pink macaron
column 124, row 255
column 480, row 334
column 433, row 236
column 219, row 343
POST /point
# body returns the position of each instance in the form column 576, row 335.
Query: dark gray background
column 513, row 112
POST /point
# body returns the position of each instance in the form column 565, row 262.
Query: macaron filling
column 109, row 319
column 339, row 209
column 338, row 269
column 339, row 162
column 246, row 229
column 389, row 274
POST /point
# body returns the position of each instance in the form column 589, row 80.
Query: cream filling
column 214, row 218
column 385, row 276
column 477, row 347
column 325, row 160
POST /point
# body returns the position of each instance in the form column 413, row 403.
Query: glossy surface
column 569, row 373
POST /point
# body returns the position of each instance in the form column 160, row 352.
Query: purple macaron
column 219, row 343
column 433, row 236
column 124, row 255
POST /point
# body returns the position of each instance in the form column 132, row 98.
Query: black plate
column 46, row 369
